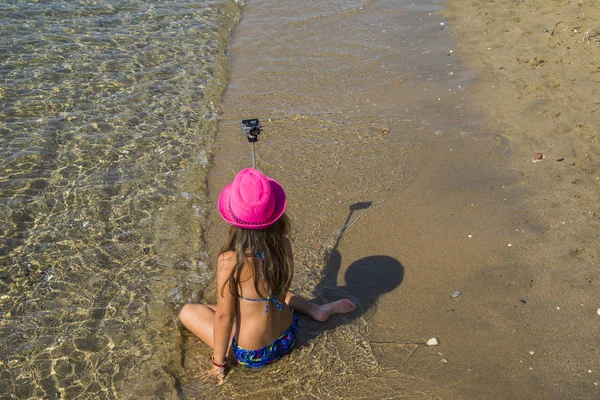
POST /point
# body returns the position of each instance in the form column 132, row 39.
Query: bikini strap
column 277, row 303
column 261, row 257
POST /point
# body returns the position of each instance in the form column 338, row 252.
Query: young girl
column 253, row 318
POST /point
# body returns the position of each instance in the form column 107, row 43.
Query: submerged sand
column 407, row 184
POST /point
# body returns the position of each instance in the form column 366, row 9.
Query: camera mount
column 252, row 128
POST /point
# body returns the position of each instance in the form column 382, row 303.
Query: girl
column 253, row 318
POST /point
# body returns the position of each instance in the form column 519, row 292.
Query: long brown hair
column 277, row 263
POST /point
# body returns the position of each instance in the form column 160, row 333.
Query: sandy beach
column 538, row 81
column 405, row 137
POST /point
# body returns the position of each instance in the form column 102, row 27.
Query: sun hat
column 252, row 200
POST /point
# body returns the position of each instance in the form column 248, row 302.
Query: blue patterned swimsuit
column 271, row 352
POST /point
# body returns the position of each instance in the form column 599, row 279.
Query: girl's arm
column 225, row 312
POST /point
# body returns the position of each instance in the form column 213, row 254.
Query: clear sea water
column 103, row 105
column 108, row 113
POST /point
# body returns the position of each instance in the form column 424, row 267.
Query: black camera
column 251, row 128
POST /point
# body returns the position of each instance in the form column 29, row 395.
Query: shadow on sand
column 366, row 279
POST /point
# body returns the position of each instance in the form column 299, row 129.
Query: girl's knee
column 185, row 313
column 191, row 313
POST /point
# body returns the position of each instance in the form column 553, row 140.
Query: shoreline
column 453, row 208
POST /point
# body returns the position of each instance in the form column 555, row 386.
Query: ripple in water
column 102, row 104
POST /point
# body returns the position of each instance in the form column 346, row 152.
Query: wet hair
column 277, row 264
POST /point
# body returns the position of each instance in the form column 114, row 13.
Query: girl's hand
column 217, row 372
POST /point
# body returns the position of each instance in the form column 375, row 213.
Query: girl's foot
column 324, row 311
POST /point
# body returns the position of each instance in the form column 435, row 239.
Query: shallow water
column 351, row 96
column 106, row 212
column 102, row 106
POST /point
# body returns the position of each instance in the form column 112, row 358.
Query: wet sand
column 404, row 187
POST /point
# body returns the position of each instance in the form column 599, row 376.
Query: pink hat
column 252, row 200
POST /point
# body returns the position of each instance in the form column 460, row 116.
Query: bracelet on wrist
column 216, row 364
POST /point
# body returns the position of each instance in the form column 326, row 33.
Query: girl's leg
column 199, row 319
column 316, row 311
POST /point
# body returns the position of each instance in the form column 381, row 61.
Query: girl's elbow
column 225, row 318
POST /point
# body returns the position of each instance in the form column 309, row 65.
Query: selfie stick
column 252, row 128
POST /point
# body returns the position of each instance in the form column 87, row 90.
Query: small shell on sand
column 598, row 311
column 432, row 342
column 538, row 156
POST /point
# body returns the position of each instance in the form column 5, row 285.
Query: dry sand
column 369, row 104
column 538, row 83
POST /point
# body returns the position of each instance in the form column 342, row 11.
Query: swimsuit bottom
column 271, row 352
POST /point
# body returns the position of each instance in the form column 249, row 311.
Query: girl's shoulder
column 228, row 255
column 226, row 260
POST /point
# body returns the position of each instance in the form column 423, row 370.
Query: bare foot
column 324, row 311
